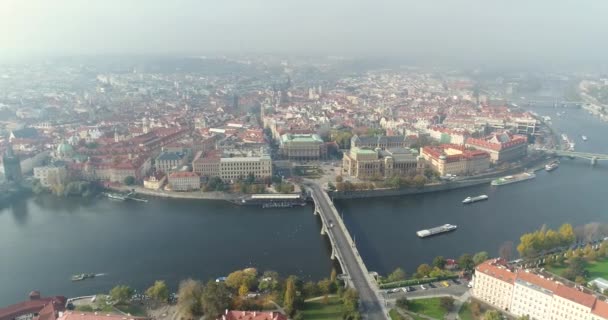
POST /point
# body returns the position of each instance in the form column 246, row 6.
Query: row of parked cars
column 426, row 286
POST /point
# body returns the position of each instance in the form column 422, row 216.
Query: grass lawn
column 429, row 307
column 465, row 313
column 395, row 315
column 132, row 309
column 317, row 310
column 596, row 269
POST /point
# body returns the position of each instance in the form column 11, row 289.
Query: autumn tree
column 439, row 262
column 397, row 275
column 121, row 293
column 158, row 291
column 190, row 292
column 480, row 257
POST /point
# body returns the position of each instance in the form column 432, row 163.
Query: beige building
column 455, row 159
column 227, row 168
column 494, row 284
column 303, row 147
column 154, row 183
column 367, row 164
column 51, row 175
column 184, row 181
column 170, row 161
column 537, row 295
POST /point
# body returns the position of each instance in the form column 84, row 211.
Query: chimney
column 223, row 317
column 254, row 314
column 226, row 312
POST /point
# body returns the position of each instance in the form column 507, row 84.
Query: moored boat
column 551, row 166
column 512, row 179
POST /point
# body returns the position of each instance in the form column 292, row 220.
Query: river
column 577, row 193
column 44, row 240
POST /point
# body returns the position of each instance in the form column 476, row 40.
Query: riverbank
column 214, row 195
column 533, row 164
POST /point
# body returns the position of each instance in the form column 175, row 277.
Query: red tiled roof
column 575, row 295
column 497, row 271
column 77, row 315
column 252, row 315
column 537, row 280
column 183, row 174
column 600, row 309
column 31, row 306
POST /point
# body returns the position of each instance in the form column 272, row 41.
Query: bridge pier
column 593, row 161
column 333, row 253
column 323, row 230
column 317, row 211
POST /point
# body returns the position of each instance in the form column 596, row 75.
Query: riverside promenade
column 345, row 250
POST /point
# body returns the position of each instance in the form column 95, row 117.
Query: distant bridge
column 593, row 157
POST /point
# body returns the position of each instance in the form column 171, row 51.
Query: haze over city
column 303, row 160
column 509, row 32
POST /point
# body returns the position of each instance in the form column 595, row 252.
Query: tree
column 566, row 234
column 158, row 291
column 436, row 273
column 446, row 303
column 439, row 262
column 215, row 298
column 491, row 315
column 243, row 290
column 298, row 316
column 130, row 180
column 397, row 275
column 402, row 303
column 423, row 270
column 419, row 181
column 289, row 301
column 506, row 250
column 465, row 262
column 475, row 309
column 121, row 294
column 242, row 277
column 351, row 304
column 270, row 281
column 311, row 289
column 334, row 275
column 480, row 257
column 524, row 317
column 325, row 286
column 190, row 292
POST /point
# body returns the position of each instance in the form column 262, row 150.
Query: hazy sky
column 510, row 30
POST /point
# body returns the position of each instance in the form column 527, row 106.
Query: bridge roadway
column 346, row 252
column 594, row 157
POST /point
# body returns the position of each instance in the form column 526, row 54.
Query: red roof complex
column 440, row 151
column 77, row 315
column 498, row 141
column 45, row 308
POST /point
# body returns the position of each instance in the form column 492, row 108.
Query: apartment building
column 184, row 181
column 502, row 146
column 217, row 164
column 50, row 175
column 455, row 159
column 536, row 294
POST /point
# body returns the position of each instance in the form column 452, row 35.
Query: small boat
column 116, row 196
column 468, row 200
column 584, row 137
column 82, row 276
column 551, row 166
